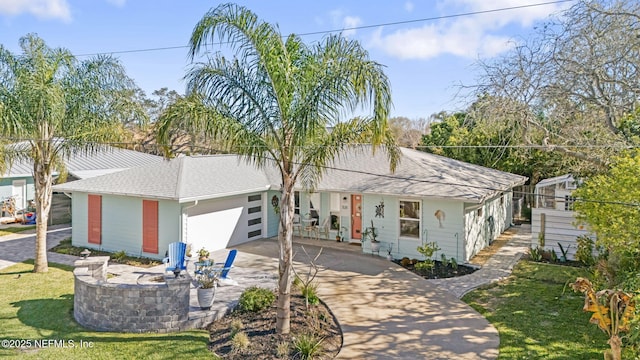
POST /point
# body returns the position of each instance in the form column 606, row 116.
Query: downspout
column 183, row 220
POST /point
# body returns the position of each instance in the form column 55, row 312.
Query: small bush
column 256, row 299
column 240, row 341
column 405, row 261
column 584, row 252
column 535, row 254
column 282, row 350
column 236, row 326
column 310, row 293
column 454, row 263
column 297, row 282
column 119, row 255
column 424, row 265
column 308, row 346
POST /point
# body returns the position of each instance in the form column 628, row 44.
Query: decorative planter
column 375, row 246
column 206, row 297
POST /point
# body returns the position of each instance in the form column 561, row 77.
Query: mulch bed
column 439, row 271
column 261, row 331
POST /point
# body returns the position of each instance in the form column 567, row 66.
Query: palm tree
column 278, row 103
column 52, row 105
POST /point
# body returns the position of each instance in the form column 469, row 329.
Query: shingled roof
column 358, row 170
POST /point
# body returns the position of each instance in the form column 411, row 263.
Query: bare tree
column 408, row 132
column 575, row 80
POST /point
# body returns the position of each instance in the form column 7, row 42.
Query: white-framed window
column 410, row 219
column 296, row 202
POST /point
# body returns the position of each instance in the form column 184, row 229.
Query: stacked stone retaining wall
column 149, row 307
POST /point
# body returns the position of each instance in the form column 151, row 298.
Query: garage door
column 224, row 223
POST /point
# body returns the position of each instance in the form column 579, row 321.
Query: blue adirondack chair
column 176, row 261
column 223, row 279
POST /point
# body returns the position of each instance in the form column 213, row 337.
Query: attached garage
column 221, row 223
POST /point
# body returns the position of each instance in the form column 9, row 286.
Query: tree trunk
column 616, row 349
column 285, row 232
column 43, row 192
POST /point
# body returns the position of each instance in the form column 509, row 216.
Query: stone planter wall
column 104, row 306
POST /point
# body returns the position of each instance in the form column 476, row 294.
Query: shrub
column 405, row 261
column 119, row 256
column 240, row 341
column 282, row 350
column 535, row 254
column 310, row 293
column 424, row 265
column 308, row 346
column 454, row 263
column 584, row 252
column 256, row 299
column 236, row 326
column 297, row 282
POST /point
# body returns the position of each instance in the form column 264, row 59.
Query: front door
column 356, row 217
column 19, row 193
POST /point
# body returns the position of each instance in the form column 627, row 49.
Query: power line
column 394, row 23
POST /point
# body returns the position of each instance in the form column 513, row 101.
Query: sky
column 427, row 61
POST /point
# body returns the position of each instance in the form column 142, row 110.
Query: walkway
column 498, row 267
column 18, row 247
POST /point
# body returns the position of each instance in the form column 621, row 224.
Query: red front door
column 356, row 217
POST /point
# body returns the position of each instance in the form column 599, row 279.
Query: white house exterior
column 553, row 220
column 220, row 201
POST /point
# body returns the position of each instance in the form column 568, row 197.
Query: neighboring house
column 220, row 201
column 553, row 220
column 18, row 180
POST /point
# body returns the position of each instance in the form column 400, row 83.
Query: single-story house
column 553, row 220
column 17, row 181
column 221, row 200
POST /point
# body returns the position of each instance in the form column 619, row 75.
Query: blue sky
column 426, row 61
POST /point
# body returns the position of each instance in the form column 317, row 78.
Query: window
column 314, row 206
column 568, row 202
column 254, row 233
column 255, row 209
column 255, row 198
column 296, row 202
column 94, row 231
column 150, row 226
column 254, row 221
column 410, row 219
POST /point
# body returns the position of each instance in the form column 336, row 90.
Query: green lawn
column 538, row 317
column 16, row 229
column 36, row 307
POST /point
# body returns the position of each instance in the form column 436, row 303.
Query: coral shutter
column 95, row 219
column 150, row 226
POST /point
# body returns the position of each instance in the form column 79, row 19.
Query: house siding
column 558, row 228
column 6, row 187
column 269, row 214
column 122, row 224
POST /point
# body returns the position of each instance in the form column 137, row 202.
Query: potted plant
column 203, row 254
column 372, row 234
column 207, row 280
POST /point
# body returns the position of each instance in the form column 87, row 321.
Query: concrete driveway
column 386, row 312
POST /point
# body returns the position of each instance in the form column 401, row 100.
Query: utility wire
column 394, row 23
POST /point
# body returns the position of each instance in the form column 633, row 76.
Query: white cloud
column 471, row 36
column 342, row 21
column 43, row 9
column 408, row 6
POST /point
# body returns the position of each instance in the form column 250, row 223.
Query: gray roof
column 88, row 164
column 418, row 174
column 183, row 179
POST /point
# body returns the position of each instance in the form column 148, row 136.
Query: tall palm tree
column 279, row 103
column 52, row 105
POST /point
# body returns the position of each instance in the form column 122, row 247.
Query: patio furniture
column 323, row 229
column 176, row 261
column 223, row 271
column 309, row 226
column 297, row 224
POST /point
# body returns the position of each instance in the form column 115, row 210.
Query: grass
column 36, row 307
column 120, row 257
column 538, row 315
column 15, row 229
